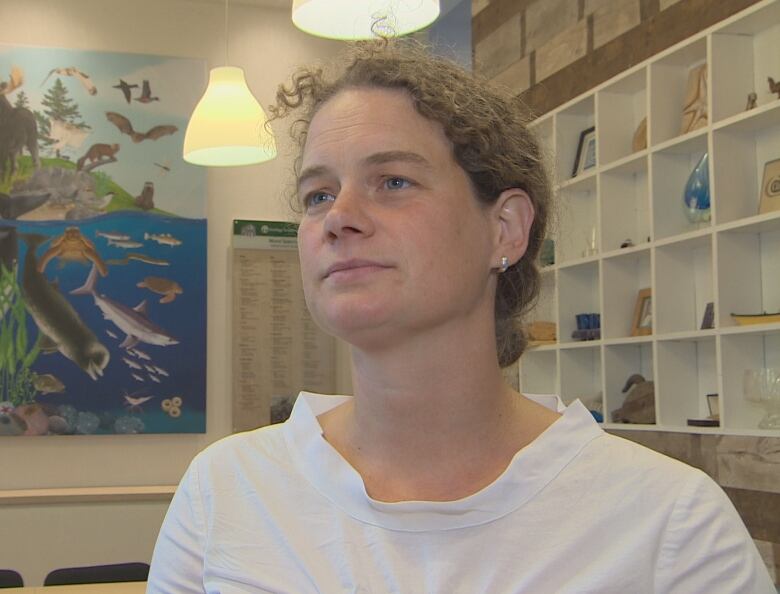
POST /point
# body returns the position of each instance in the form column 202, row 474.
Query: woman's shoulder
column 617, row 460
column 258, row 447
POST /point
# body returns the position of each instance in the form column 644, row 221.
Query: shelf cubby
column 625, row 206
column 578, row 292
column 684, row 284
column 671, row 168
column 687, row 372
column 740, row 151
column 570, row 123
column 744, row 54
column 620, row 363
column 539, row 372
column 748, row 278
column 625, row 275
column 668, row 85
column 577, row 221
column 741, row 352
column 581, row 375
column 621, row 107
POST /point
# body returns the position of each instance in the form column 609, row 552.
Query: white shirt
column 576, row 511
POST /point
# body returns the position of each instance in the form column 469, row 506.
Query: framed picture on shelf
column 708, row 320
column 713, row 404
column 586, row 152
column 642, row 324
column 770, row 187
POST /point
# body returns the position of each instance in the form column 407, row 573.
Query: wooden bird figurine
column 774, row 87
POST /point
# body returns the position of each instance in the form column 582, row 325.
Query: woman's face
column 393, row 241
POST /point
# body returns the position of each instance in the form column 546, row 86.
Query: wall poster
column 102, row 245
column 277, row 349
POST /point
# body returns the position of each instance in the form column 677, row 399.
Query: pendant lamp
column 363, row 19
column 228, row 126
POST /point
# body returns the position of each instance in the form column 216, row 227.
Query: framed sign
column 642, row 324
column 586, row 152
column 770, row 187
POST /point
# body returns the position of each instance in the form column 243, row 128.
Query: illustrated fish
column 149, row 368
column 131, row 364
column 47, row 383
column 161, row 371
column 133, row 321
column 111, row 334
column 163, row 239
column 154, row 378
column 55, row 317
column 141, row 258
column 111, row 236
column 134, row 403
column 163, row 286
column 124, row 243
column 141, row 355
column 137, row 377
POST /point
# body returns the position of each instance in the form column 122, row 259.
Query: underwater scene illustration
column 102, row 245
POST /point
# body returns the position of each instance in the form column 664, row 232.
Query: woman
column 424, row 203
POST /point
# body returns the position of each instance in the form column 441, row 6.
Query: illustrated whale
column 133, row 321
column 61, row 327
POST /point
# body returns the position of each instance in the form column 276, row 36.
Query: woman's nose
column 349, row 214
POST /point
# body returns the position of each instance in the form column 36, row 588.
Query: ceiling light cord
column 227, row 56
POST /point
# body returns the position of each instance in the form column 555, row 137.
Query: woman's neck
column 432, row 424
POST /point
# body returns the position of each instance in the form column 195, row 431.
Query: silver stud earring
column 504, row 264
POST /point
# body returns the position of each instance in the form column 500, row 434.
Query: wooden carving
column 695, row 105
column 639, row 141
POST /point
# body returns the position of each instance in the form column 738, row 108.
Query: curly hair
column 488, row 131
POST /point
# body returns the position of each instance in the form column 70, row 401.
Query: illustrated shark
column 61, row 327
column 133, row 321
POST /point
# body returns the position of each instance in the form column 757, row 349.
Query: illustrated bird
column 146, row 94
column 78, row 74
column 774, row 87
column 125, row 88
column 124, row 126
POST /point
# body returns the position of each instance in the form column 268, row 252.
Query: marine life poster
column 102, row 245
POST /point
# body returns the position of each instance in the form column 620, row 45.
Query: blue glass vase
column 697, row 193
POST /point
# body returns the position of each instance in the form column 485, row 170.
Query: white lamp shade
column 228, row 125
column 363, row 19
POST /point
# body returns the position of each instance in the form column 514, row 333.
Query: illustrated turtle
column 163, row 286
column 73, row 246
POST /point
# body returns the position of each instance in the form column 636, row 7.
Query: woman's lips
column 353, row 269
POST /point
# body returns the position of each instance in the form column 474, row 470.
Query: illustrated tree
column 21, row 101
column 57, row 106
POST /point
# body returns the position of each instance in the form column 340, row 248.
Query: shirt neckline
column 529, row 471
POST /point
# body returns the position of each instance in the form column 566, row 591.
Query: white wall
column 35, row 539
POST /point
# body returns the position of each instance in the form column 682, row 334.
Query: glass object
column 762, row 386
column 697, row 193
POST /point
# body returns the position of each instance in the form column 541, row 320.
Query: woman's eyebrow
column 310, row 172
column 373, row 159
column 388, row 156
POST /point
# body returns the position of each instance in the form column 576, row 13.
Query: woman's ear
column 513, row 215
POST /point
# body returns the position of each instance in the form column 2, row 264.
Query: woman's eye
column 317, row 198
column 397, row 183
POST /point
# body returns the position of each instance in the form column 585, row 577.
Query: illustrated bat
column 126, row 127
column 73, row 71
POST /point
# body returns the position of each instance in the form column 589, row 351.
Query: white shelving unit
column 732, row 261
